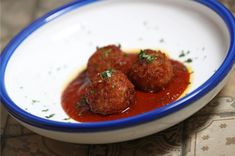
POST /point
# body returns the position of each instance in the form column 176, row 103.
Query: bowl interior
column 53, row 54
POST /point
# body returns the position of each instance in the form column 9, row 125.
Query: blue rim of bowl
column 32, row 120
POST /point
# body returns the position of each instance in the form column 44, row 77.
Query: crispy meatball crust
column 110, row 92
column 105, row 58
column 152, row 70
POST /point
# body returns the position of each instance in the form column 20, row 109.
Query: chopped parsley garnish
column 146, row 57
column 125, row 55
column 67, row 118
column 182, row 54
column 82, row 102
column 92, row 91
column 34, row 101
column 107, row 74
column 45, row 110
column 189, row 60
column 50, row 116
column 106, row 52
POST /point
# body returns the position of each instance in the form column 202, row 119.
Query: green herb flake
column 35, row 101
column 106, row 52
column 67, row 118
column 50, row 116
column 92, row 91
column 82, row 102
column 45, row 110
column 182, row 54
column 107, row 74
column 126, row 55
column 146, row 57
column 189, row 60
column 119, row 46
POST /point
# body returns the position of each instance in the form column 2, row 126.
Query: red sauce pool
column 144, row 101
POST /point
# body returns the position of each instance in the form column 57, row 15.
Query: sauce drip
column 144, row 101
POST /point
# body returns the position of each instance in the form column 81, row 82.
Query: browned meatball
column 106, row 58
column 152, row 70
column 110, row 92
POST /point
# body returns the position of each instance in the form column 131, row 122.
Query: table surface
column 211, row 131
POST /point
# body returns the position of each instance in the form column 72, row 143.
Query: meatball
column 106, row 58
column 152, row 70
column 110, row 92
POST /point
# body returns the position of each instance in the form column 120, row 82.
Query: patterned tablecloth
column 211, row 131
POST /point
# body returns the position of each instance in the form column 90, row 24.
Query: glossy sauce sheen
column 144, row 101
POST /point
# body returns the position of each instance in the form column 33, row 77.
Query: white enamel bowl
column 39, row 62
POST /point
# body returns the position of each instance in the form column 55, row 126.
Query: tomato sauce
column 144, row 101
